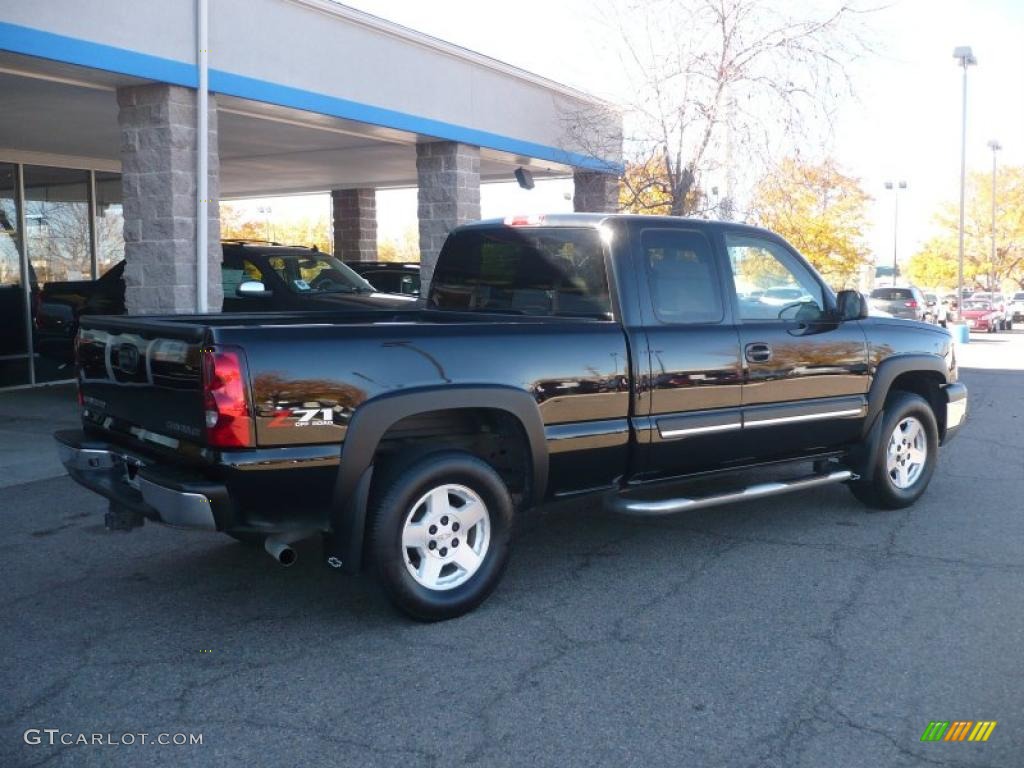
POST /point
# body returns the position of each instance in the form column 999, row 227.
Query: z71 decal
column 307, row 417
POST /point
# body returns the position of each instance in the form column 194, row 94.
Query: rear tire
column 904, row 459
column 439, row 533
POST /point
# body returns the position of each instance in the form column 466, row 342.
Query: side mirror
column 251, row 288
column 851, row 305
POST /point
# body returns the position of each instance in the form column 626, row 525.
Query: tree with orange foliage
column 820, row 211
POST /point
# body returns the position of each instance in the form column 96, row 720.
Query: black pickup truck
column 638, row 359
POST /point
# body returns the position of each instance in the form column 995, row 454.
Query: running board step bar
column 655, row 508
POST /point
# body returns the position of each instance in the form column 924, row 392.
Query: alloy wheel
column 446, row 536
column 906, row 453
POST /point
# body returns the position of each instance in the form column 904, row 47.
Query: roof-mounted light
column 533, row 220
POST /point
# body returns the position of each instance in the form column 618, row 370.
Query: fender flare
column 375, row 417
column 889, row 370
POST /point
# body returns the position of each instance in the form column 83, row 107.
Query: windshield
column 317, row 273
column 975, row 304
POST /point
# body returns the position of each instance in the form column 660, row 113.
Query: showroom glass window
column 49, row 212
column 58, row 236
column 57, row 225
column 109, row 221
column 14, row 360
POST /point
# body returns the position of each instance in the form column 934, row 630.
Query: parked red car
column 982, row 315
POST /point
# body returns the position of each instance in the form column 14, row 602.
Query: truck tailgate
column 143, row 378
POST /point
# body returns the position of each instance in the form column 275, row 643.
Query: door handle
column 758, row 352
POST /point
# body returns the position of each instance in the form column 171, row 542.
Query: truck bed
column 308, row 371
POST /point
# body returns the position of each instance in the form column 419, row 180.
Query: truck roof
column 596, row 219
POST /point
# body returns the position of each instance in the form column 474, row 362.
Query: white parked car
column 1016, row 308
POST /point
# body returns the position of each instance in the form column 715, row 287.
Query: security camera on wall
column 524, row 177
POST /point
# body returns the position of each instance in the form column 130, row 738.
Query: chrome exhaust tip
column 279, row 548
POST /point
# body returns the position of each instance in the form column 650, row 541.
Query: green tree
column 821, row 211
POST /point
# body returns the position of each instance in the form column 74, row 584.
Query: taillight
column 228, row 416
column 912, row 304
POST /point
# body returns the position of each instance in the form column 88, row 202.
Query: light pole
column 995, row 146
column 895, row 187
column 965, row 58
column 266, row 210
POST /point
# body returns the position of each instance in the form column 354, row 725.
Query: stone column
column 449, row 195
column 158, row 179
column 595, row 192
column 355, row 224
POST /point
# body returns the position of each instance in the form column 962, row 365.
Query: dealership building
column 103, row 128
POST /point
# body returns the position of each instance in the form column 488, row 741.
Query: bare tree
column 716, row 85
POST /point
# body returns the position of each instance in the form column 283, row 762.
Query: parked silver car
column 907, row 303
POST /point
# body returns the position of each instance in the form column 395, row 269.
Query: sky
column 903, row 124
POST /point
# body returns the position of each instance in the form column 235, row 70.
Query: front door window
column 771, row 284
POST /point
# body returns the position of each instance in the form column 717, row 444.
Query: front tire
column 440, row 533
column 904, row 460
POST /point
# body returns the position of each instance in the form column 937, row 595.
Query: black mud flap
column 858, row 460
column 343, row 545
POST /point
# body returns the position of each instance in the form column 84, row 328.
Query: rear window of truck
column 556, row 271
column 892, row 294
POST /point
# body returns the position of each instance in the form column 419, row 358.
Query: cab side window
column 681, row 269
column 771, row 284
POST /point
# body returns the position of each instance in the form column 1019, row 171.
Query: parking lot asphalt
column 795, row 631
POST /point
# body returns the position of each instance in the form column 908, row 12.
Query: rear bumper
column 168, row 495
column 956, row 409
